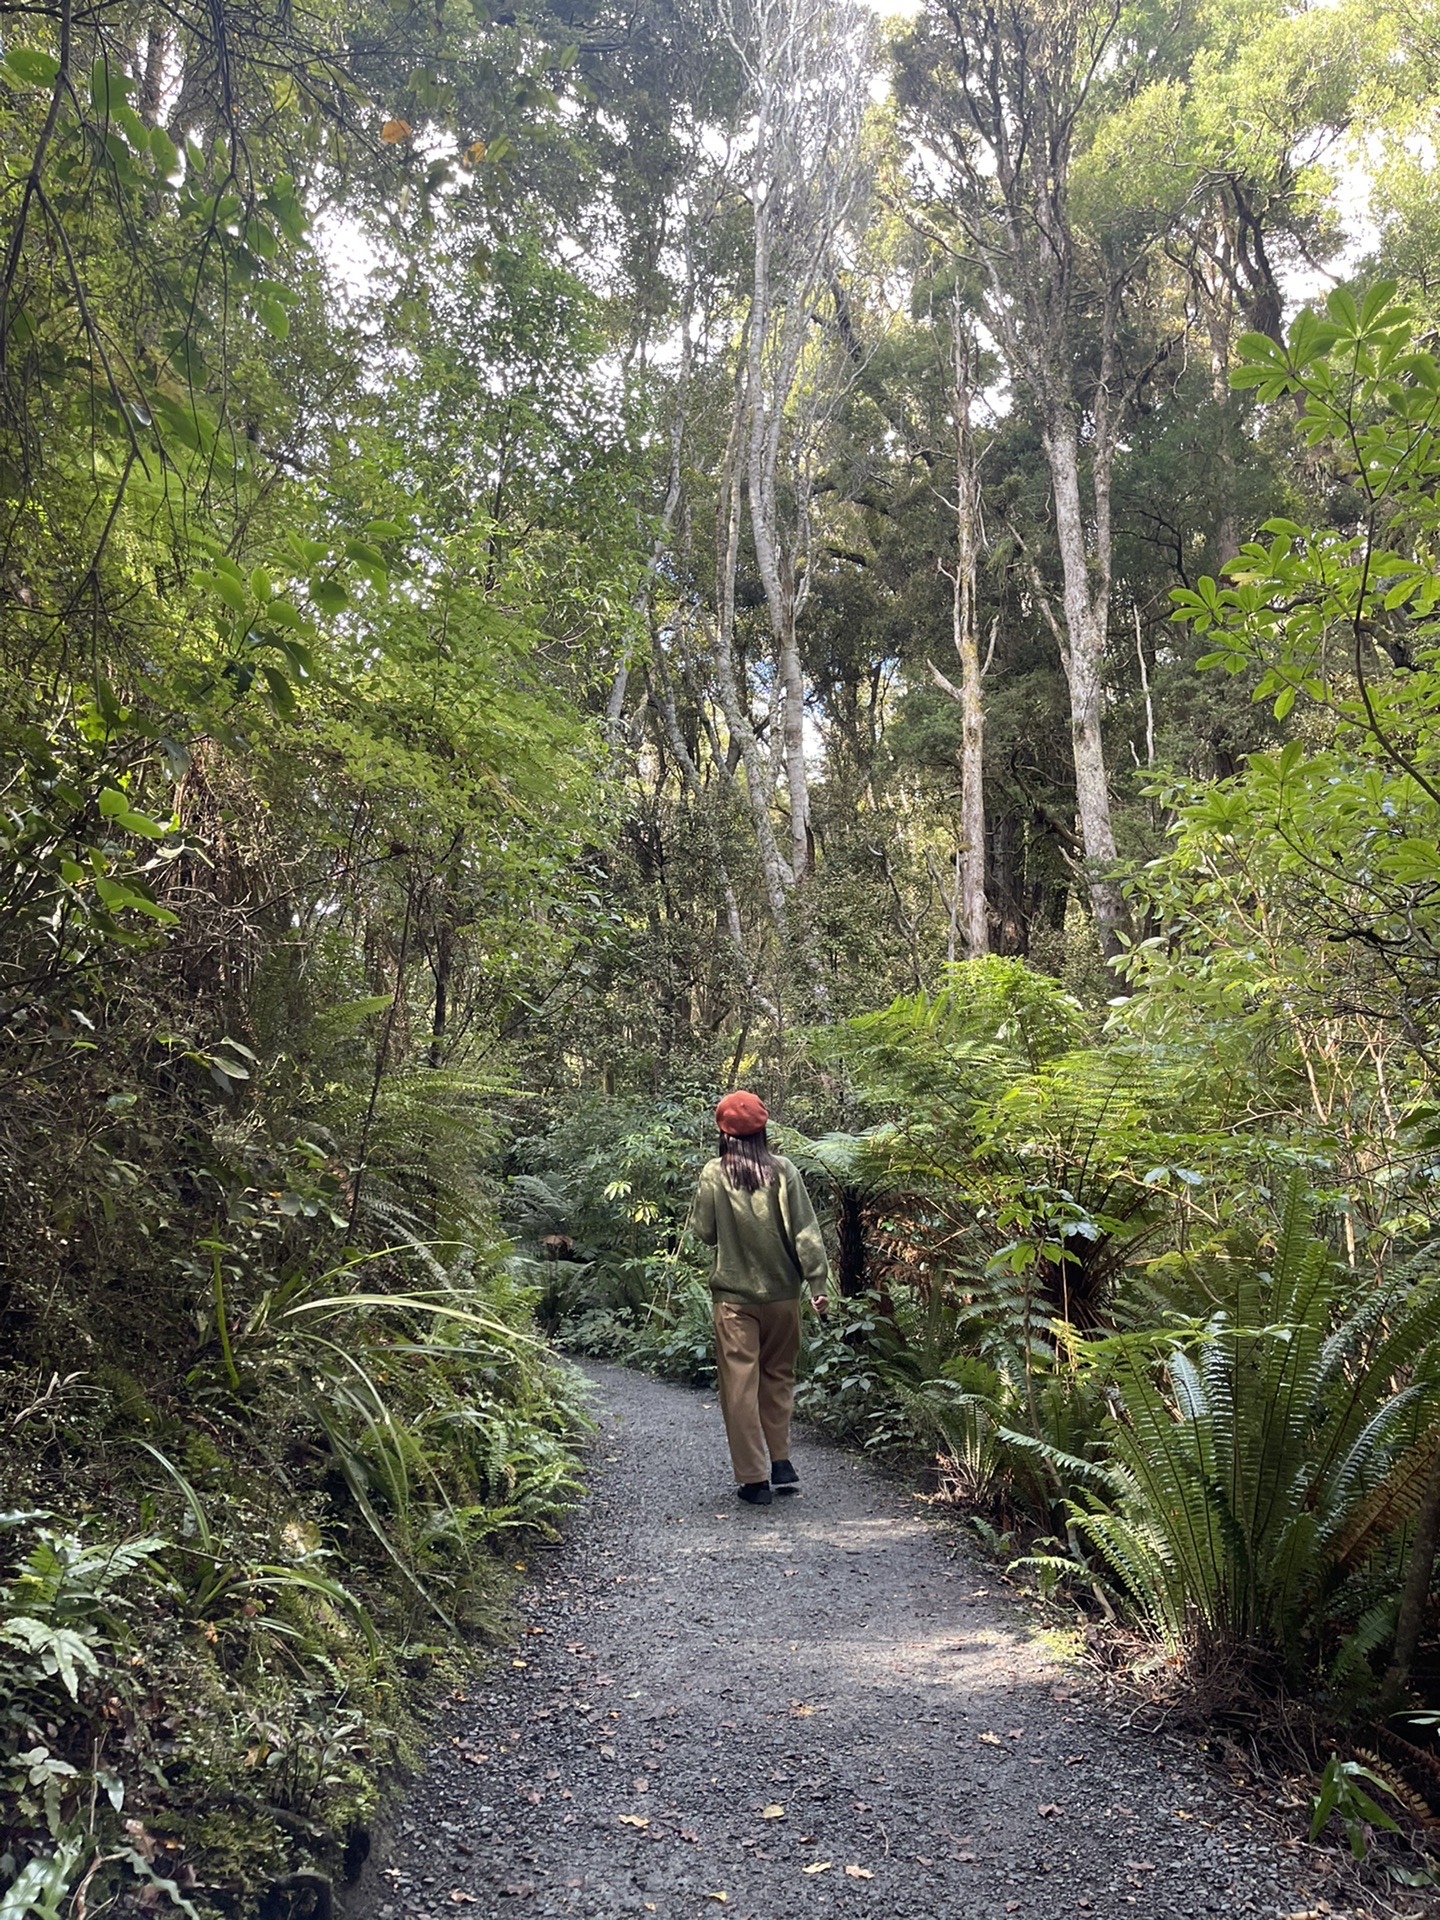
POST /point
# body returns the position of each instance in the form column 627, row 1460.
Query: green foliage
column 381, row 1448
column 1342, row 1795
column 1257, row 1471
column 1342, row 618
column 379, row 877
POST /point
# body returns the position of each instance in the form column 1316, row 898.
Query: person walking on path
column 752, row 1208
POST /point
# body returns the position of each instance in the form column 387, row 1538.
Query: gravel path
column 804, row 1710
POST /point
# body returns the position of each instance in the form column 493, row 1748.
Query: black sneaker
column 755, row 1492
column 783, row 1476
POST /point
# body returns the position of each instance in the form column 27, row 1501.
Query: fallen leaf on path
column 858, row 1873
column 1049, row 1812
column 517, row 1663
column 1183, row 1813
column 607, row 1753
column 991, row 1739
column 721, row 1897
column 776, row 1812
column 463, row 1899
column 641, row 1786
column 1140, row 1866
column 818, row 1866
column 1017, row 1733
column 633, row 1820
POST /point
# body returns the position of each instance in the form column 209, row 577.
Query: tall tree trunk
column 1087, row 614
column 797, row 774
column 1214, row 280
column 729, row 691
column 974, row 916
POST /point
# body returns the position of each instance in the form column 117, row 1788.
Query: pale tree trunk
column 1024, row 73
column 974, row 917
column 804, row 59
column 774, row 344
column 731, row 696
column 1213, row 277
column 1082, row 652
column 969, row 910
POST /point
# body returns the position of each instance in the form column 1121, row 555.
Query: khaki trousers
column 755, row 1351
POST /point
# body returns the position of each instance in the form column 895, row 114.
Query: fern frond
column 1390, row 1504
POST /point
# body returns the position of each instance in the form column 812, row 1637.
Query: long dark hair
column 746, row 1160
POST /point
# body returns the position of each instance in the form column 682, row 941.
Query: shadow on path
column 807, row 1709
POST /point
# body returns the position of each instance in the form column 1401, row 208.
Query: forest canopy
column 558, row 559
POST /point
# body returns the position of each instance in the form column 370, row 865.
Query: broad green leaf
column 272, row 316
column 32, row 67
column 231, row 591
column 281, row 692
column 162, row 152
column 329, row 595
column 108, row 87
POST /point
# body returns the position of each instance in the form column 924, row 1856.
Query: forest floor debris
column 803, row 1710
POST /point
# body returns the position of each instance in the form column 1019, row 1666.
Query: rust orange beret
column 741, row 1113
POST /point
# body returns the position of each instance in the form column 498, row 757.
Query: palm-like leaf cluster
column 1259, row 1468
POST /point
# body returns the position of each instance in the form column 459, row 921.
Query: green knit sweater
column 767, row 1244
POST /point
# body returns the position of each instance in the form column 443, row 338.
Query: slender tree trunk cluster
column 797, row 176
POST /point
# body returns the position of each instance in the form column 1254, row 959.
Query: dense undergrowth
column 288, row 806
column 418, row 715
column 1187, row 1359
column 247, row 1526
